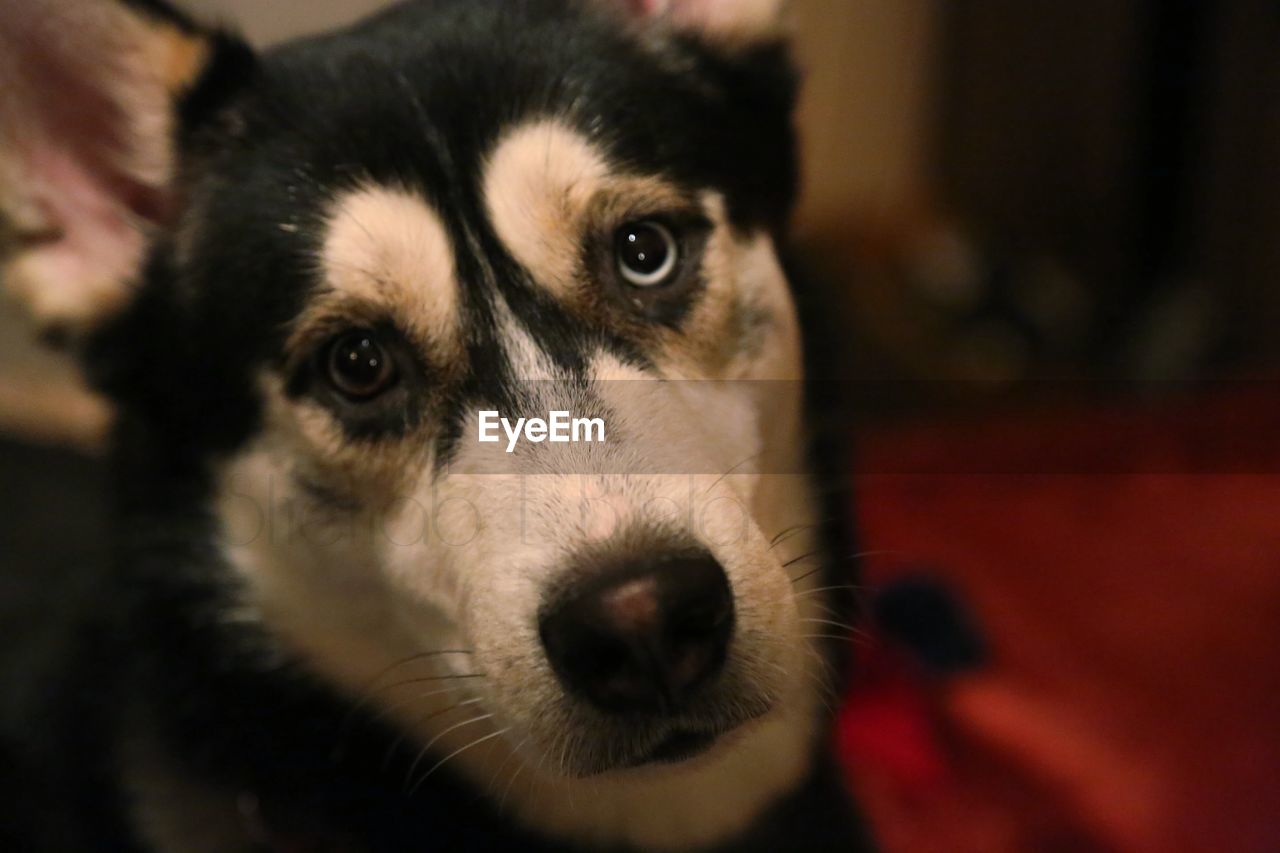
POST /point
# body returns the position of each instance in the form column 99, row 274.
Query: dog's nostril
column 644, row 636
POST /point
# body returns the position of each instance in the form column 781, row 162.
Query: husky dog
column 313, row 281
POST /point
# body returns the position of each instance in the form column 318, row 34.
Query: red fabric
column 1124, row 568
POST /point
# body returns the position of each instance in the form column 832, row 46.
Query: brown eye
column 359, row 367
column 647, row 252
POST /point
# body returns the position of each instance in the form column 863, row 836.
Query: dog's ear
column 95, row 96
column 733, row 21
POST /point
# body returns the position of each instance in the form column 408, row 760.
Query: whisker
column 788, row 533
column 756, row 659
column 854, row 556
column 395, row 744
column 371, row 689
column 721, row 478
column 417, row 697
column 502, row 801
column 844, row 638
column 832, row 588
column 879, row 552
column 426, row 749
column 564, row 755
column 825, row 690
column 814, row 553
column 427, row 679
column 830, row 622
column 456, row 752
column 825, row 608
column 807, row 574
column 828, row 668
column 493, row 780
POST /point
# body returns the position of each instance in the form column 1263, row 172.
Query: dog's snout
column 643, row 637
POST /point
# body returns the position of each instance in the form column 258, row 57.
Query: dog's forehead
column 444, row 141
column 392, row 242
column 423, row 92
column 463, row 119
column 467, row 282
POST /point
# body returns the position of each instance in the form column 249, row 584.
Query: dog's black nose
column 643, row 637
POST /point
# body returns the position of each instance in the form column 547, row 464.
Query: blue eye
column 647, row 253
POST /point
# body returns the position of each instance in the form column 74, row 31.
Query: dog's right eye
column 358, row 366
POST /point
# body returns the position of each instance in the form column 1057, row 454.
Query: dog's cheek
column 305, row 574
column 764, row 323
column 502, row 574
column 426, row 540
column 466, row 546
column 743, row 325
column 338, row 471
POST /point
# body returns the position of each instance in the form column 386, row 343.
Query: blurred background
column 1052, row 233
column 998, row 192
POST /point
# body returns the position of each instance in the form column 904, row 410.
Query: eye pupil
column 358, row 367
column 647, row 253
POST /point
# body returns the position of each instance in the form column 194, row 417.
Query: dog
column 463, row 487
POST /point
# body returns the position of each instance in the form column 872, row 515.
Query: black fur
column 415, row 96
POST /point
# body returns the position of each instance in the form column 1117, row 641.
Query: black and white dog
column 461, row 474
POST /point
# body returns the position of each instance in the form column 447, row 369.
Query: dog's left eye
column 358, row 366
column 647, row 254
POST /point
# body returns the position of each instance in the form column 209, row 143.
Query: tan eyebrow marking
column 538, row 181
column 545, row 185
column 385, row 248
column 547, row 189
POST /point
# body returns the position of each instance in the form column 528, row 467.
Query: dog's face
column 376, row 245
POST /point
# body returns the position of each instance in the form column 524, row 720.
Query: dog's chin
column 680, row 746
column 673, row 747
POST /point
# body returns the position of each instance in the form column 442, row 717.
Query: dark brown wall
column 1137, row 143
column 1239, row 214
column 1036, row 126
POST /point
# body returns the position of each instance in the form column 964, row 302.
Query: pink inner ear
column 642, row 8
column 710, row 15
column 92, row 206
column 90, row 139
column 95, row 238
column 89, row 130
